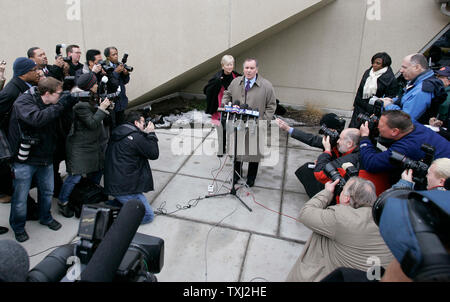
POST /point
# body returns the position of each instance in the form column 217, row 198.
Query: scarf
column 371, row 86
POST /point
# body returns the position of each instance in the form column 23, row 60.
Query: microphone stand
column 233, row 190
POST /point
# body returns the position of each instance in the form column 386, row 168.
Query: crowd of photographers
column 396, row 141
column 68, row 112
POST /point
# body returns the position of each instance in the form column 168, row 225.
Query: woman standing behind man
column 217, row 85
column 379, row 81
column 84, row 152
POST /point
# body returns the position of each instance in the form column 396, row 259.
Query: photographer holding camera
column 343, row 235
column 305, row 173
column 122, row 74
column 40, row 58
column 398, row 133
column 438, row 172
column 74, row 54
column 84, row 153
column 127, row 171
column 32, row 140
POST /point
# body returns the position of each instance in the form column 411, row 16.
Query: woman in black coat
column 217, row 85
column 379, row 81
column 84, row 153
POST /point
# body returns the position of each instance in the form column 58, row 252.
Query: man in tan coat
column 344, row 235
column 258, row 93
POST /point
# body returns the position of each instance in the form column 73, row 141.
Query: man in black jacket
column 127, row 171
column 38, row 55
column 32, row 139
column 25, row 75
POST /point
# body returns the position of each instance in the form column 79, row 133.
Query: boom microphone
column 108, row 256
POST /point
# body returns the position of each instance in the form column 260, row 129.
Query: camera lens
column 24, row 151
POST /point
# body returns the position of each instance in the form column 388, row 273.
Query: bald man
column 423, row 92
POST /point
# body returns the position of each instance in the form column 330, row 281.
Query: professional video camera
column 332, row 172
column 58, row 53
column 109, row 249
column 415, row 227
column 420, row 168
column 124, row 62
column 333, row 134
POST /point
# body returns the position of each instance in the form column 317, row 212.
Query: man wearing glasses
column 32, row 139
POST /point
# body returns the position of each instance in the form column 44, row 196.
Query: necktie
column 247, row 86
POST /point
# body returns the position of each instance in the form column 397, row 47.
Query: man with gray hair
column 344, row 235
column 423, row 92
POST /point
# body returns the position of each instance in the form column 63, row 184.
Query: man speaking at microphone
column 258, row 93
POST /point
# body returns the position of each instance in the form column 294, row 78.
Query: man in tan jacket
column 344, row 235
column 258, row 93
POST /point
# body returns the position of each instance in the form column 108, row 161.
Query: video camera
column 58, row 53
column 124, row 62
column 104, row 230
column 420, row 168
column 332, row 172
column 415, row 227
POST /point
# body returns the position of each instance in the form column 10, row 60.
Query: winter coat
column 380, row 180
column 36, row 120
column 342, row 237
column 214, row 90
column 409, row 145
column 8, row 95
column 84, row 154
column 425, row 92
column 127, row 170
column 261, row 97
column 387, row 86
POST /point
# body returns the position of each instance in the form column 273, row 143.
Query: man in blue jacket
column 423, row 92
column 127, row 171
column 399, row 133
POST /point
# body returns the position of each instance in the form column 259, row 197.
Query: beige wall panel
column 268, row 13
column 29, row 23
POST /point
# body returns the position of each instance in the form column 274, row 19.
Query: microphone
column 108, row 256
column 14, row 262
column 241, row 115
column 235, row 109
column 248, row 116
column 255, row 116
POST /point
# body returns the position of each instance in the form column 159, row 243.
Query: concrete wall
column 312, row 50
column 320, row 59
column 164, row 38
